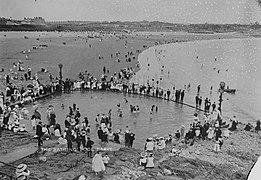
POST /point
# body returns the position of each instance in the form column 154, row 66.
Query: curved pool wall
column 168, row 119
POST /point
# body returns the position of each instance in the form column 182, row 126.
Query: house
column 27, row 21
column 11, row 23
column 34, row 21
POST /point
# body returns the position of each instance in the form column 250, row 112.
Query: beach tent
column 255, row 171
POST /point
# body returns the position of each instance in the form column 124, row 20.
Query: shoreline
column 227, row 36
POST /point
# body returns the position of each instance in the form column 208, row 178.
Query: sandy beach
column 80, row 52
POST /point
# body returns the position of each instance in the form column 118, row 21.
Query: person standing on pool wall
column 200, row 101
column 197, row 101
column 182, row 96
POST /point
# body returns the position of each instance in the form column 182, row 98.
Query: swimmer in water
column 126, row 100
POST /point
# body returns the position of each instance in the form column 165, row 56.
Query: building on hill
column 27, row 21
column 39, row 21
column 12, row 23
column 3, row 21
column 34, row 21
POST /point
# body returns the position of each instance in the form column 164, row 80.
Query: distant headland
column 39, row 24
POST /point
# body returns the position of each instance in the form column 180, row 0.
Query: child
column 143, row 159
column 217, row 146
column 150, row 163
column 106, row 159
column 221, row 142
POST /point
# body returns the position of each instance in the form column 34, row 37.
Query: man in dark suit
column 89, row 146
column 39, row 134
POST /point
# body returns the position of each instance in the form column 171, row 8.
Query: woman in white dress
column 97, row 163
column 210, row 132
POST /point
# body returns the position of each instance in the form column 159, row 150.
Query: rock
column 159, row 174
column 197, row 152
column 140, row 168
column 82, row 177
column 166, row 172
column 42, row 159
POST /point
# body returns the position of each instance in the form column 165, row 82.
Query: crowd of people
column 210, row 128
column 27, row 94
column 10, row 119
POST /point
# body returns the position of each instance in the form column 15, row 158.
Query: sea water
column 237, row 62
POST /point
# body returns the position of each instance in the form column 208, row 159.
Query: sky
column 174, row 11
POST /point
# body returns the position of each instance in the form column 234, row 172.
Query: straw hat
column 83, row 133
column 73, row 122
column 20, row 168
column 21, row 172
column 21, row 177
